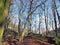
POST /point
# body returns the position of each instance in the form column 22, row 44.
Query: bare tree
column 54, row 14
column 30, row 12
column 56, row 10
column 52, row 25
column 21, row 10
column 45, row 18
column 39, row 23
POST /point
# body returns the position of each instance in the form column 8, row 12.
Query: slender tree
column 54, row 14
column 56, row 10
column 19, row 18
column 30, row 12
column 39, row 23
column 52, row 25
column 45, row 18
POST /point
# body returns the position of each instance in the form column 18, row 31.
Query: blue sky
column 14, row 10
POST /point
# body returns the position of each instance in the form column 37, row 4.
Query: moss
column 1, row 28
column 1, row 4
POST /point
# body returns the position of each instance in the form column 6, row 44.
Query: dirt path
column 33, row 41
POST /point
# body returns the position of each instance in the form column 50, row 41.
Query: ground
column 32, row 41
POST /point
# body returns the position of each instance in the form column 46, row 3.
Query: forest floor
column 32, row 41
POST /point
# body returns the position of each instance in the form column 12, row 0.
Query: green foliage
column 30, row 34
column 57, row 40
column 43, row 37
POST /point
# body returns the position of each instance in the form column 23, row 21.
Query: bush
column 50, row 40
column 57, row 40
column 30, row 34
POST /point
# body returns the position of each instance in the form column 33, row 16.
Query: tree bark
column 54, row 14
column 39, row 23
column 56, row 10
column 45, row 18
column 5, row 13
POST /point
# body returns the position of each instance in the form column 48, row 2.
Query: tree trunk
column 54, row 14
column 45, row 18
column 39, row 23
column 52, row 25
column 56, row 10
column 5, row 13
column 19, row 28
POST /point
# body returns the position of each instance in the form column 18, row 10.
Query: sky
column 14, row 11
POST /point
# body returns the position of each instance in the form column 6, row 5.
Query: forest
column 29, row 22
